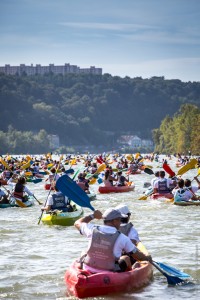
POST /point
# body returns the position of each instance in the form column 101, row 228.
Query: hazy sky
column 124, row 37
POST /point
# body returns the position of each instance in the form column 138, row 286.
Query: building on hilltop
column 51, row 68
column 134, row 142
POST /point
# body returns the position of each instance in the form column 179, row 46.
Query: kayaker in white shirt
column 107, row 244
column 162, row 185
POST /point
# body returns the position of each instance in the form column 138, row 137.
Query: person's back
column 107, row 242
column 57, row 201
column 181, row 193
column 192, row 189
column 121, row 179
column 161, row 186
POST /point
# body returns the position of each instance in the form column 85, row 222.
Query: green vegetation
column 90, row 110
column 180, row 133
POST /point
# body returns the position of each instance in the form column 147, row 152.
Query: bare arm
column 138, row 255
column 96, row 215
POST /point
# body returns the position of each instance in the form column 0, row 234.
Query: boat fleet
column 81, row 283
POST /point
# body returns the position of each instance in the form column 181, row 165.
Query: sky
column 135, row 38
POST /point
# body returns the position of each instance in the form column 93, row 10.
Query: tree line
column 87, row 109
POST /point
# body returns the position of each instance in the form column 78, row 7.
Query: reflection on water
column 33, row 258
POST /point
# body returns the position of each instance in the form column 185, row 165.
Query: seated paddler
column 107, row 243
column 57, row 201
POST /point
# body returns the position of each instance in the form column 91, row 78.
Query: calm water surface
column 34, row 258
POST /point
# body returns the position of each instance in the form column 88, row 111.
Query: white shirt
column 187, row 195
column 169, row 181
column 133, row 234
column 122, row 243
column 154, row 180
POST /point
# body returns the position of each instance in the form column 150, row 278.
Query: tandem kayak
column 63, row 218
column 181, row 202
column 116, row 189
column 82, row 284
column 166, row 196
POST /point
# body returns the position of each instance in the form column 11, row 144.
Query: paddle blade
column 187, row 167
column 70, row 189
column 173, row 275
column 143, row 198
column 100, row 169
column 148, row 171
column 20, row 203
column 167, row 169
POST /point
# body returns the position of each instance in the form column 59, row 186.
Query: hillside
column 88, row 109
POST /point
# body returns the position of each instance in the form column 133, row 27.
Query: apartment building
column 51, row 68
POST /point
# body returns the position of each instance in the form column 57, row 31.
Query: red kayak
column 116, row 189
column 83, row 284
column 47, row 186
column 157, row 195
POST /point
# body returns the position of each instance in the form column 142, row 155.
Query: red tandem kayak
column 83, row 284
column 116, row 189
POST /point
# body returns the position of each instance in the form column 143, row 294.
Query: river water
column 34, row 258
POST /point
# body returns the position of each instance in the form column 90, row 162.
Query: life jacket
column 100, row 254
column 125, row 229
column 59, row 202
column 7, row 174
column 19, row 191
column 162, row 187
column 121, row 181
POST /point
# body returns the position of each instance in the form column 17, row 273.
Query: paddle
column 37, row 200
column 148, row 171
column 144, row 197
column 19, row 202
column 167, row 169
column 50, row 187
column 173, row 275
column 71, row 189
column 187, row 167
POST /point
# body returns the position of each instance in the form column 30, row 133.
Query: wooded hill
column 91, row 109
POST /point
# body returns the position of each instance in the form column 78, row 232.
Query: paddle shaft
column 50, row 189
column 37, row 200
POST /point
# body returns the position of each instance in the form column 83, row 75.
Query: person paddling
column 21, row 191
column 107, row 243
column 57, row 201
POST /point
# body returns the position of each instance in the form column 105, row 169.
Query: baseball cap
column 111, row 214
column 123, row 209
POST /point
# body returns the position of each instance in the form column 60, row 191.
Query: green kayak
column 63, row 218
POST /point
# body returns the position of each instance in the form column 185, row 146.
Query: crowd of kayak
column 111, row 172
column 69, row 180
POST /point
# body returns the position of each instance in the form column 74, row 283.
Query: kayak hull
column 63, row 218
column 116, row 189
column 166, row 196
column 82, row 284
column 13, row 203
column 186, row 203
